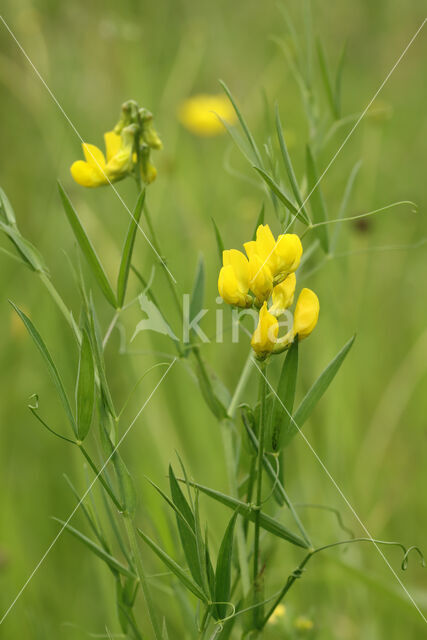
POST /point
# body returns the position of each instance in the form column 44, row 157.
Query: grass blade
column 126, row 260
column 317, row 390
column 50, row 364
column 87, row 248
column 219, row 242
column 280, row 194
column 317, row 202
column 174, row 567
column 223, row 569
column 85, row 388
column 198, row 292
column 281, row 419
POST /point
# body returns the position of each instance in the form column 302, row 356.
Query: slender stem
column 101, row 478
column 227, row 440
column 244, row 376
column 60, row 304
column 110, row 329
column 260, row 467
column 140, row 571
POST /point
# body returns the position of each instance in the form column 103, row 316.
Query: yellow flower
column 199, row 114
column 97, row 170
column 283, row 295
column 306, row 313
column 282, row 256
column 278, row 613
column 303, row 624
column 233, row 281
column 265, row 335
column 260, row 279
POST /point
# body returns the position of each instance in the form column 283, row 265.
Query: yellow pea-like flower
column 233, row 281
column 283, row 295
column 99, row 170
column 264, row 337
column 260, row 279
column 306, row 313
column 278, row 613
column 282, row 256
column 199, row 114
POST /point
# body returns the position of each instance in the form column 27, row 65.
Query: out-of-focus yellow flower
column 265, row 335
column 303, row 624
column 199, row 114
column 282, row 256
column 233, row 281
column 98, row 170
column 283, row 295
column 306, row 313
column 278, row 614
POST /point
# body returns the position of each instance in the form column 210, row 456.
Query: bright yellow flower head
column 282, row 256
column 98, row 170
column 199, row 114
column 233, row 281
column 265, row 335
column 278, row 613
column 283, row 295
column 306, row 313
column 260, row 279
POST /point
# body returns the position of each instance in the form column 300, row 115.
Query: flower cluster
column 128, row 148
column 268, row 271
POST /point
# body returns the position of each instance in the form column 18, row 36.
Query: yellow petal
column 306, row 313
column 228, row 287
column 283, row 294
column 86, row 175
column 94, row 156
column 250, row 248
column 113, row 142
column 239, row 262
column 199, row 114
column 265, row 242
column 265, row 335
column 288, row 252
column 260, row 278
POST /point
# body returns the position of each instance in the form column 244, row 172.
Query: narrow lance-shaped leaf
column 114, row 564
column 219, row 242
column 317, row 202
column 50, row 364
column 174, row 567
column 186, row 533
column 283, row 197
column 85, row 388
column 223, row 569
column 87, row 249
column 317, row 390
column 288, row 165
column 246, row 511
column 326, row 77
column 281, row 418
column 128, row 250
column 198, row 292
column 260, row 220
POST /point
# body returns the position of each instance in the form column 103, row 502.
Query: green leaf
column 50, row 364
column 7, row 209
column 85, row 388
column 87, row 248
column 288, row 165
column 260, row 220
column 317, row 390
column 266, row 522
column 27, row 251
column 281, row 419
column 174, row 567
column 186, row 529
column 326, row 77
column 318, row 206
column 219, row 242
column 223, row 569
column 198, row 292
column 98, row 353
column 126, row 260
column 243, row 124
column 280, row 194
column 114, row 564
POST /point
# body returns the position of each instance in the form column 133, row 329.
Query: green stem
column 244, row 376
column 98, row 474
column 60, row 304
column 260, row 467
column 140, row 571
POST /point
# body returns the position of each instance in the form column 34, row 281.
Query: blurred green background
column 370, row 428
